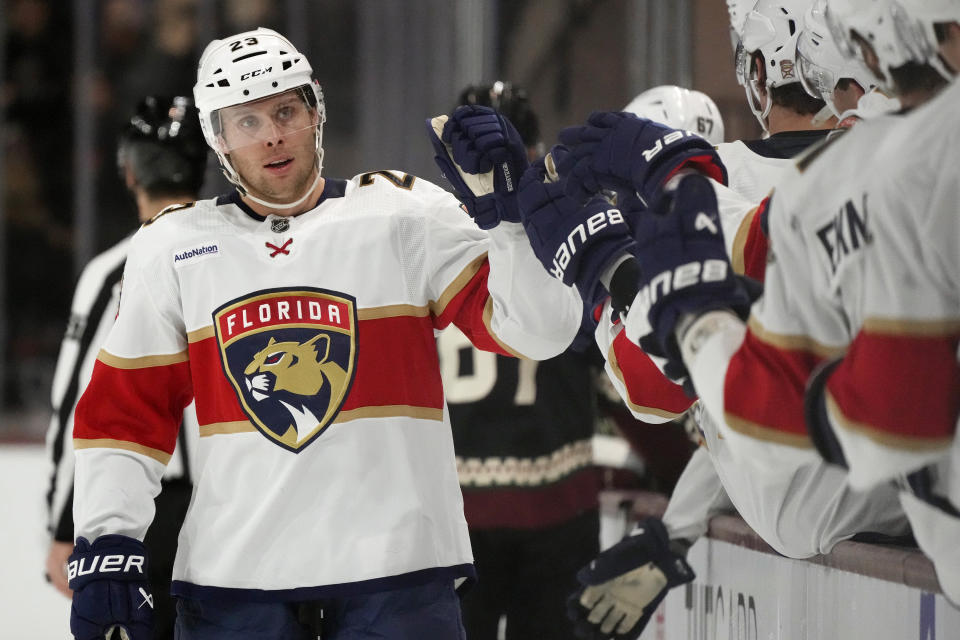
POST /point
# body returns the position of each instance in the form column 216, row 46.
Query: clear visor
column 741, row 63
column 818, row 81
column 269, row 119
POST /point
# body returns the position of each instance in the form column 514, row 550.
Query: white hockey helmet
column 680, row 108
column 245, row 68
column 821, row 63
column 872, row 21
column 771, row 29
column 738, row 10
column 915, row 20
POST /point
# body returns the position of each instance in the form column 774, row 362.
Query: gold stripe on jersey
column 390, row 411
column 219, row 428
column 109, row 443
column 796, row 342
column 386, row 411
column 615, row 367
column 439, row 306
column 740, row 241
column 882, row 437
column 912, row 327
column 487, row 322
column 393, row 311
column 201, row 334
column 767, row 434
column 143, row 361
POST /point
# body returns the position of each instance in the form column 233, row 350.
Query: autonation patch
column 196, row 254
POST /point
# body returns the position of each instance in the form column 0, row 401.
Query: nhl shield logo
column 290, row 355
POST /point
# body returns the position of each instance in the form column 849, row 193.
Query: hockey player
column 162, row 157
column 834, row 228
column 680, row 108
column 522, row 432
column 299, row 312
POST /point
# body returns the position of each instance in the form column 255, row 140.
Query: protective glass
column 280, row 116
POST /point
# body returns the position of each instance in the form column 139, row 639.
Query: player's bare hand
column 57, row 566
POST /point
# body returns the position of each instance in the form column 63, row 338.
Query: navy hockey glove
column 623, row 586
column 574, row 242
column 684, row 270
column 111, row 590
column 482, row 156
column 628, row 154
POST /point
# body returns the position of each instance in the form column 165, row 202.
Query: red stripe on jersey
column 216, row 399
column 899, row 388
column 646, row 385
column 534, row 507
column 124, row 404
column 756, row 246
column 466, row 310
column 764, row 388
column 397, row 364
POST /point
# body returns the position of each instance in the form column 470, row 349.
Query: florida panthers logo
column 290, row 355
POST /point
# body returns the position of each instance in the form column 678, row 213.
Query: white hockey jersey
column 325, row 463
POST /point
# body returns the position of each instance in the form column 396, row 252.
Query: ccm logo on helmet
column 686, row 275
column 582, row 231
column 255, row 73
column 114, row 563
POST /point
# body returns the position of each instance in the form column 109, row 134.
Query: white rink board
column 741, row 594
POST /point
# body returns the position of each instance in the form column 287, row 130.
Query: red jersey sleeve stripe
column 899, row 390
column 471, row 310
column 439, row 306
column 764, row 387
column 142, row 406
column 750, row 246
column 648, row 390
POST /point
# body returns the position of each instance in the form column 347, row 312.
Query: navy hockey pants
column 413, row 613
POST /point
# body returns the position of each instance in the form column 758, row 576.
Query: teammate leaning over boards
column 299, row 311
column 853, row 220
column 162, row 157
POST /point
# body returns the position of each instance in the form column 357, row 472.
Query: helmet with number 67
column 248, row 68
column 680, row 108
